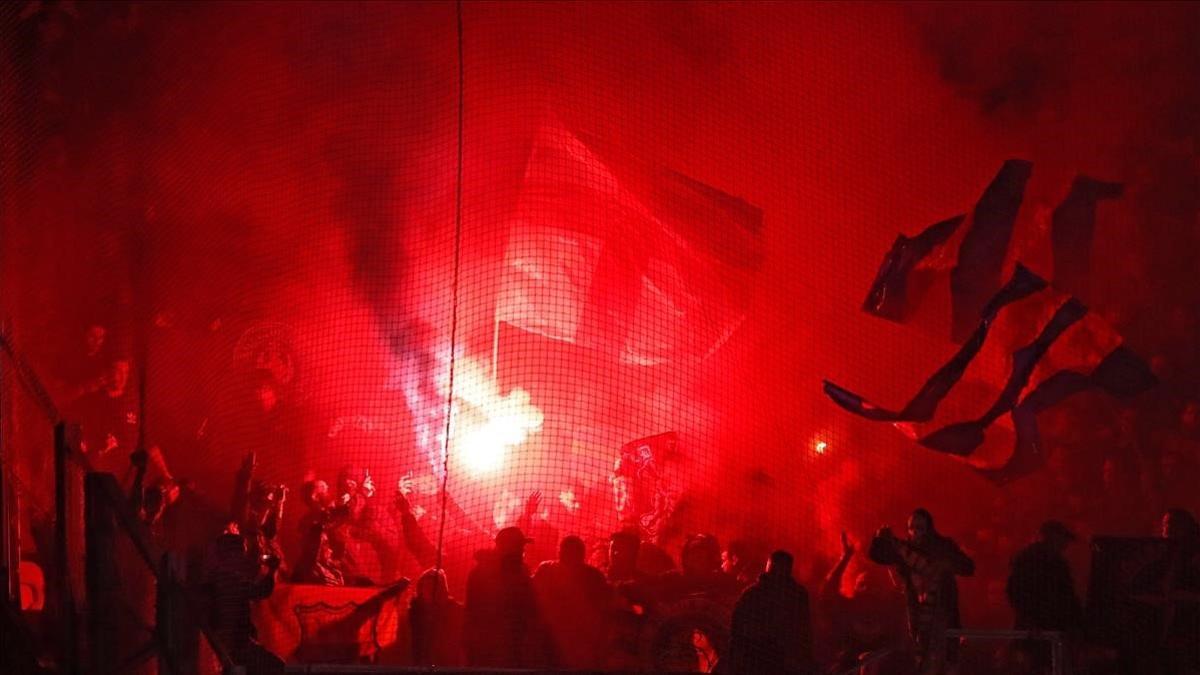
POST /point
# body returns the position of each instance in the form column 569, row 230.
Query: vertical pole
column 496, row 349
column 178, row 628
column 101, row 580
column 1057, row 664
column 68, row 651
column 10, row 525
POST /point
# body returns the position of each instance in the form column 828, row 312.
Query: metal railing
column 1058, row 663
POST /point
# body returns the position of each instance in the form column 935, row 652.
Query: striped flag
column 1024, row 344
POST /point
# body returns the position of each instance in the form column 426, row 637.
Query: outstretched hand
column 533, row 503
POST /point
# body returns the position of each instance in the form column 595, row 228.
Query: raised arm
column 240, row 503
column 532, row 504
column 275, row 516
column 414, row 536
column 833, row 581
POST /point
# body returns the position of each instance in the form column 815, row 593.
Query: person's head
column 780, row 564
column 734, row 557
column 572, row 551
column 432, row 586
column 93, row 338
column 1056, row 535
column 920, row 526
column 1180, row 525
column 511, row 543
column 701, row 554
column 623, row 550
column 324, row 550
column 316, row 493
column 118, row 378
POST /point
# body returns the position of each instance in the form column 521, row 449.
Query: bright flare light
column 506, row 423
column 481, row 451
column 819, row 447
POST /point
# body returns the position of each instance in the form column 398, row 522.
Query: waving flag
column 1024, row 346
column 622, row 256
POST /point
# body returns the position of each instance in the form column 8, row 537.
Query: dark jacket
column 928, row 572
column 1041, row 592
column 772, row 629
column 436, row 628
column 502, row 626
column 575, row 601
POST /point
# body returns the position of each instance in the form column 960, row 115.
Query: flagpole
column 496, row 345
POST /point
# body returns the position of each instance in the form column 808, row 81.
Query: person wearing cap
column 502, row 627
column 1041, row 591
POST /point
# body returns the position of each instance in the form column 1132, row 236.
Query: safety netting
column 388, row 280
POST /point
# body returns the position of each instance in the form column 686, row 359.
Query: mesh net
column 572, row 268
